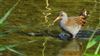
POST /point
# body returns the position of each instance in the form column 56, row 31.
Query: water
column 28, row 17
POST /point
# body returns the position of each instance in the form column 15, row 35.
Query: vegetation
column 36, row 16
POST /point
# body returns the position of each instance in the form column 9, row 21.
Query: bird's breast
column 70, row 26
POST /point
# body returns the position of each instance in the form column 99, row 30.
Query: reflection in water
column 73, row 48
column 27, row 17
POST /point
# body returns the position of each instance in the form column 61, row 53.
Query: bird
column 72, row 25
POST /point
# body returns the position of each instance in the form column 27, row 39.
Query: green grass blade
column 2, row 48
column 8, row 13
column 5, row 47
column 98, row 48
column 10, row 49
column 89, row 54
column 91, row 43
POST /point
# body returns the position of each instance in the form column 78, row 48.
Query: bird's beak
column 59, row 17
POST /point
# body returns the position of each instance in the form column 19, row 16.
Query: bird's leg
column 74, row 36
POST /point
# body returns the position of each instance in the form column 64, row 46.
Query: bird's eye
column 61, row 15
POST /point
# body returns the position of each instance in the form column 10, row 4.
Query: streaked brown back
column 75, row 20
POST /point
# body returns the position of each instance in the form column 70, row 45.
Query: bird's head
column 62, row 15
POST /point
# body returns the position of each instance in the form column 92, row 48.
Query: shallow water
column 28, row 17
